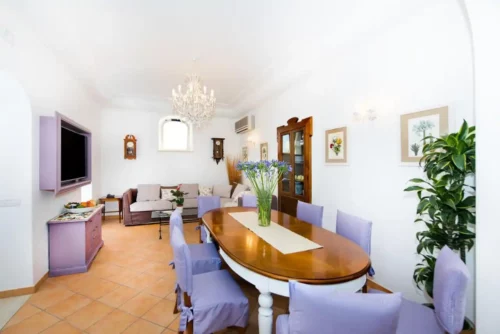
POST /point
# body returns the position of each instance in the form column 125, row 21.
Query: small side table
column 104, row 200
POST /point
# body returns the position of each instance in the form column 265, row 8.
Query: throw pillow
column 238, row 189
column 166, row 194
column 222, row 190
column 148, row 192
column 235, row 199
column 205, row 191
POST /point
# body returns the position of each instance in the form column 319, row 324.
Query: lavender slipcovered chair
column 204, row 257
column 450, row 288
column 210, row 302
column 249, row 201
column 314, row 311
column 205, row 204
column 357, row 230
column 313, row 214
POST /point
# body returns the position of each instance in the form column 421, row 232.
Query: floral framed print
column 244, row 153
column 264, row 152
column 416, row 127
column 336, row 145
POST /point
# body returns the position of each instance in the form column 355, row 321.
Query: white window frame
column 160, row 133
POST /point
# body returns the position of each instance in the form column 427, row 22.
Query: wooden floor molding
column 24, row 291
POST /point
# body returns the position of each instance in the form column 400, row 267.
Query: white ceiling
column 138, row 50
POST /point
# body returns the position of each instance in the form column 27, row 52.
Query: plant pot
column 264, row 209
column 179, row 208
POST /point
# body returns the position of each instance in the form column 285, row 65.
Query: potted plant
column 447, row 200
column 178, row 197
column 264, row 176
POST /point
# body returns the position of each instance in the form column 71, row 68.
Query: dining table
column 337, row 264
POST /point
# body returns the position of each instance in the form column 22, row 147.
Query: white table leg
column 265, row 311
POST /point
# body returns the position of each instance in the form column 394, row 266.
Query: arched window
column 175, row 134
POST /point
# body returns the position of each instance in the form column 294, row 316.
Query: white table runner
column 281, row 238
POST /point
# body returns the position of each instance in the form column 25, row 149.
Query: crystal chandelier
column 194, row 105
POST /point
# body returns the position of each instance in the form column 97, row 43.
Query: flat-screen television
column 73, row 155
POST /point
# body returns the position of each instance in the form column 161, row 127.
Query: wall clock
column 218, row 150
column 130, row 147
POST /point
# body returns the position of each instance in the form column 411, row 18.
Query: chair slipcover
column 416, row 318
column 313, row 311
column 313, row 214
column 217, row 301
column 451, row 278
column 450, row 287
column 205, row 204
column 204, row 257
column 249, row 201
column 357, row 230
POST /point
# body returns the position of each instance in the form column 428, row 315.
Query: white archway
column 484, row 20
column 16, row 156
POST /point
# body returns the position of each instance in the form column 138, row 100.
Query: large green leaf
column 468, row 202
column 459, row 160
column 464, row 130
column 414, row 188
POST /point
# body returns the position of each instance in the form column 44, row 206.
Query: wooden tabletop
column 340, row 260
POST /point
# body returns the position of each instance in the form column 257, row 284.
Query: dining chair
column 205, row 204
column 249, row 201
column 357, row 230
column 211, row 301
column 313, row 214
column 204, row 257
column 451, row 278
column 312, row 311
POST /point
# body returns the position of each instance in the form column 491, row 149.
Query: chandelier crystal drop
column 194, row 105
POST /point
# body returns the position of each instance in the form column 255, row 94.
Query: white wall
column 151, row 165
column 50, row 87
column 485, row 23
column 423, row 63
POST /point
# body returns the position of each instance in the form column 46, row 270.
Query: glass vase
column 264, row 209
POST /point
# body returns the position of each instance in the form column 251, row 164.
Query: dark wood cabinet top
column 340, row 260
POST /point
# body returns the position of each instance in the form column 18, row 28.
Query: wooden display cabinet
column 294, row 147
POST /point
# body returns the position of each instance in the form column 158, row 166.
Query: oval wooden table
column 340, row 265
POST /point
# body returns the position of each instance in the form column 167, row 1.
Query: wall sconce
column 368, row 115
column 251, row 141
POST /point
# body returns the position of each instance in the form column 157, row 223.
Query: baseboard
column 24, row 291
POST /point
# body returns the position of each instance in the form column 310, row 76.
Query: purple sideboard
column 73, row 244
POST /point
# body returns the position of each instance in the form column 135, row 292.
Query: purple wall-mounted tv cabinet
column 50, row 153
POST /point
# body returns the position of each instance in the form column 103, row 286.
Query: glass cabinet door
column 286, row 156
column 298, row 162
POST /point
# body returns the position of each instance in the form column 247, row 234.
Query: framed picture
column 264, row 152
column 415, row 127
column 244, row 153
column 336, row 145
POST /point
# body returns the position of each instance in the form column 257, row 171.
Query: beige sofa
column 140, row 203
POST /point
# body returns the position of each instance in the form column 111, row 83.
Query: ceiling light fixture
column 194, row 105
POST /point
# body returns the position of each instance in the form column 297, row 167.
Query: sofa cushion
column 190, row 189
column 190, row 203
column 148, row 192
column 151, row 206
column 239, row 189
column 222, row 190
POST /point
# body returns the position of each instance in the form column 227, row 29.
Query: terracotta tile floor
column 129, row 289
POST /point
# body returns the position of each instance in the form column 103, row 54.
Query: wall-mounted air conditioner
column 245, row 124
